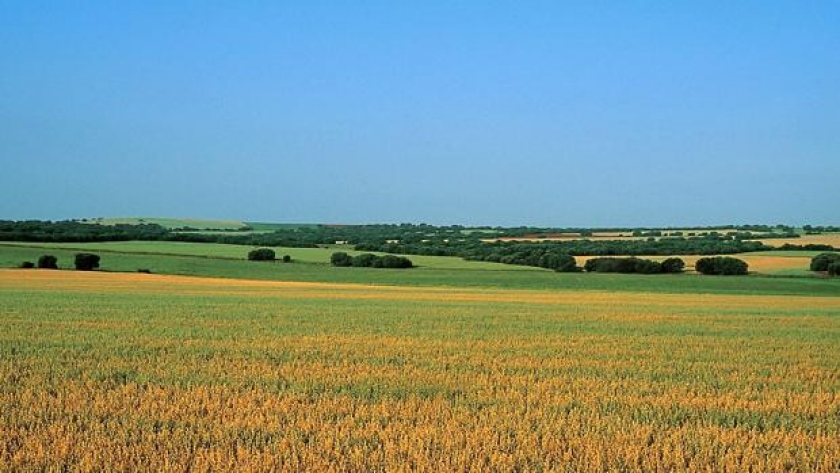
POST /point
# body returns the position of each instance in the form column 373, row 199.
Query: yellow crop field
column 832, row 239
column 124, row 372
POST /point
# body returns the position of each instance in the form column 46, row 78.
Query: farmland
column 209, row 261
column 216, row 362
column 791, row 263
column 239, row 252
column 127, row 371
column 832, row 239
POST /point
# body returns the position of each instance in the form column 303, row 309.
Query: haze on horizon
column 477, row 113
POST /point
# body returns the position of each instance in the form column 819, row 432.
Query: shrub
column 822, row 261
column 27, row 265
column 341, row 259
column 646, row 266
column 48, row 262
column 287, row 259
column 369, row 260
column 86, row 261
column 591, row 265
column 721, row 265
column 620, row 265
column 673, row 265
column 395, row 262
column 144, row 271
column 834, row 268
column 559, row 262
column 364, row 260
column 261, row 254
column 625, row 265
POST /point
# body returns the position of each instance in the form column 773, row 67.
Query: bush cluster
column 368, row 260
column 48, row 262
column 828, row 262
column 86, row 261
column 262, row 254
column 722, row 266
column 559, row 262
column 633, row 265
column 538, row 255
column 82, row 262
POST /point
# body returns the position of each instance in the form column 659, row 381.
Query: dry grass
column 119, row 372
column 832, row 239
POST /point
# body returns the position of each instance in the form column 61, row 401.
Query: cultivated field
column 434, row 271
column 832, row 239
column 240, row 252
column 127, row 371
column 770, row 263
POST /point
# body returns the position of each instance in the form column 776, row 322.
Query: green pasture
column 218, row 250
column 445, row 272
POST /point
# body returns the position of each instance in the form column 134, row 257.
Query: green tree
column 559, row 262
column 673, row 265
column 341, row 259
column 86, row 261
column 261, row 254
column 395, row 262
column 822, row 261
column 48, row 262
column 721, row 265
column 646, row 266
column 364, row 260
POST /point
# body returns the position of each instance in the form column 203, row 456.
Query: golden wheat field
column 832, row 239
column 126, row 372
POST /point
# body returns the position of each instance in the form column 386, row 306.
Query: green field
column 218, row 363
column 211, row 260
column 218, row 250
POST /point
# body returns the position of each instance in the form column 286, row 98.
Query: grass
column 444, row 272
column 218, row 250
column 126, row 371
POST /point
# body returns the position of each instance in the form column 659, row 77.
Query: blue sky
column 597, row 113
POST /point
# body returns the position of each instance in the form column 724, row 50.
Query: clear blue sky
column 590, row 113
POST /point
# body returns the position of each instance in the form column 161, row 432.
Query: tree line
column 368, row 260
column 82, row 262
column 548, row 254
column 633, row 265
column 422, row 239
column 266, row 254
column 372, row 235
